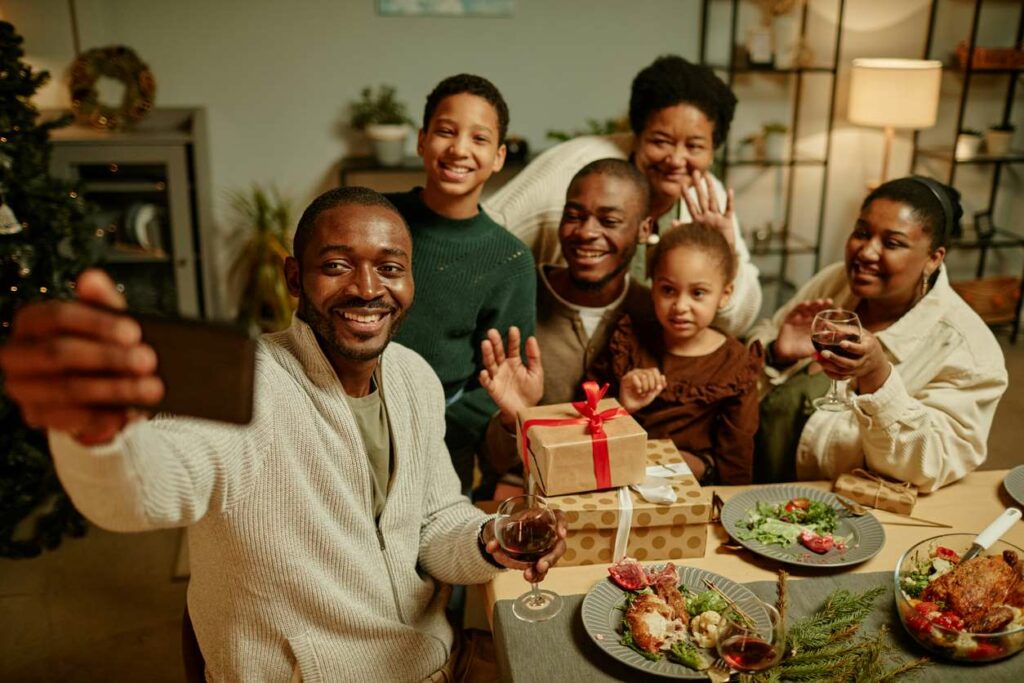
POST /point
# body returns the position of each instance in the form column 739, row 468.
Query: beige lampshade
column 896, row 93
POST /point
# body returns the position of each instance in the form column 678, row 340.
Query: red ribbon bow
column 590, row 416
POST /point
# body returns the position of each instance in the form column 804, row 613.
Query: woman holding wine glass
column 923, row 374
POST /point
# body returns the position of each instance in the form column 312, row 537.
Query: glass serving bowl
column 945, row 642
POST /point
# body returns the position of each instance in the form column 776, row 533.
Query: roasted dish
column 972, row 610
column 661, row 620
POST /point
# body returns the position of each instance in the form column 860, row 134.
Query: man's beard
column 325, row 332
column 597, row 285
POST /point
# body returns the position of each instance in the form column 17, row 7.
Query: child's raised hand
column 512, row 384
column 704, row 210
column 639, row 387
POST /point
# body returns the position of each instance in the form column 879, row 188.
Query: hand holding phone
column 87, row 368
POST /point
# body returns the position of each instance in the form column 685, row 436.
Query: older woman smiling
column 927, row 373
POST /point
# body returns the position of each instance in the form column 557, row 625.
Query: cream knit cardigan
column 288, row 567
column 929, row 423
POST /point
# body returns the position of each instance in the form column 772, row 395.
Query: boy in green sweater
column 471, row 274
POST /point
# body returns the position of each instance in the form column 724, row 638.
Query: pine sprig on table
column 823, row 647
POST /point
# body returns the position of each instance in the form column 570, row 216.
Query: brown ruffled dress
column 710, row 404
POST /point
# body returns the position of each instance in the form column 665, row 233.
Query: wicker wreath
column 122, row 64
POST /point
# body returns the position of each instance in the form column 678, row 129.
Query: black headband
column 943, row 197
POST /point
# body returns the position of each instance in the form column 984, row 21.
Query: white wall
column 276, row 77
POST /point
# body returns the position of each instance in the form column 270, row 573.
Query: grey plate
column 602, row 618
column 866, row 535
column 1014, row 484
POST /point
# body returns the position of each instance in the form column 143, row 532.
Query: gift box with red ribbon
column 581, row 446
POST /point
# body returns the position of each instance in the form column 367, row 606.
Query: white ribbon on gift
column 625, row 522
column 655, row 488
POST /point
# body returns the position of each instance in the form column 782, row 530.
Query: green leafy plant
column 382, row 108
column 774, row 127
column 826, row 647
column 594, row 127
column 263, row 233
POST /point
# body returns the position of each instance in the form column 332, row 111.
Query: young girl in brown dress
column 682, row 379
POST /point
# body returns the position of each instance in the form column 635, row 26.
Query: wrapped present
column 868, row 488
column 604, row 525
column 582, row 446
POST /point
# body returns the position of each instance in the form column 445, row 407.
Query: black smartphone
column 208, row 369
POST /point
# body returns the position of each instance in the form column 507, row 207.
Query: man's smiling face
column 601, row 223
column 354, row 282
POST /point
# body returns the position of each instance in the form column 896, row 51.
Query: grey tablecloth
column 560, row 650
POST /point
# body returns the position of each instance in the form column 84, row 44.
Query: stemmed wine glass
column 527, row 530
column 830, row 328
column 748, row 647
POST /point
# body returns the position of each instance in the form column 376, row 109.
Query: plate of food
column 663, row 619
column 966, row 610
column 801, row 526
column 1014, row 484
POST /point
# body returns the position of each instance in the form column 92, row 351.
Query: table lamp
column 894, row 93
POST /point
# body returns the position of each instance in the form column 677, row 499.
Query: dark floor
column 107, row 608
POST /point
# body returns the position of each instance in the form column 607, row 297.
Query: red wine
column 527, row 540
column 747, row 654
column 830, row 340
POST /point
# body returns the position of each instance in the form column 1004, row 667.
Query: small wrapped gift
column 605, row 525
column 582, row 446
column 868, row 488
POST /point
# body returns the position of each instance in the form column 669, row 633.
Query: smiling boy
column 471, row 274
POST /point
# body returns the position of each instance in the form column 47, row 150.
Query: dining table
column 560, row 649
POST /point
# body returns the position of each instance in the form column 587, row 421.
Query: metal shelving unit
column 781, row 245
column 997, row 237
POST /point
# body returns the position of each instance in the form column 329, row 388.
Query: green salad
column 786, row 523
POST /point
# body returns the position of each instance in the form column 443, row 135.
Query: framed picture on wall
column 446, row 8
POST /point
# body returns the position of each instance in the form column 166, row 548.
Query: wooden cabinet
column 151, row 187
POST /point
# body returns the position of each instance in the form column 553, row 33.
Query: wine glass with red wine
column 831, row 328
column 527, row 530
column 748, row 647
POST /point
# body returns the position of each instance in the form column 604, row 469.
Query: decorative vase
column 759, row 46
column 997, row 142
column 786, row 40
column 774, row 146
column 968, row 145
column 388, row 142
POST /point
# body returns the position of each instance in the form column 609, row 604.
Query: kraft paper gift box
column 868, row 488
column 657, row 531
column 568, row 458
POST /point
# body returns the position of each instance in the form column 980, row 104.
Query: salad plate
column 1014, row 484
column 603, row 613
column 862, row 537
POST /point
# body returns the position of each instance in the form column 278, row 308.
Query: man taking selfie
column 319, row 532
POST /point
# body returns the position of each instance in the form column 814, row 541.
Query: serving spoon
column 992, row 533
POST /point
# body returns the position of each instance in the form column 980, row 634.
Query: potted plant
column 385, row 121
column 998, row 138
column 262, row 239
column 774, row 140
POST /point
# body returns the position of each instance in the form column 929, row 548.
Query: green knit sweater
column 471, row 275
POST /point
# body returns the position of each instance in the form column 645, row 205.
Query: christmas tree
column 47, row 237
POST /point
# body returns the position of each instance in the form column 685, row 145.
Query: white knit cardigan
column 289, row 569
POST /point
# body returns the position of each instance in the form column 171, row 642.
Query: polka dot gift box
column 656, row 531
